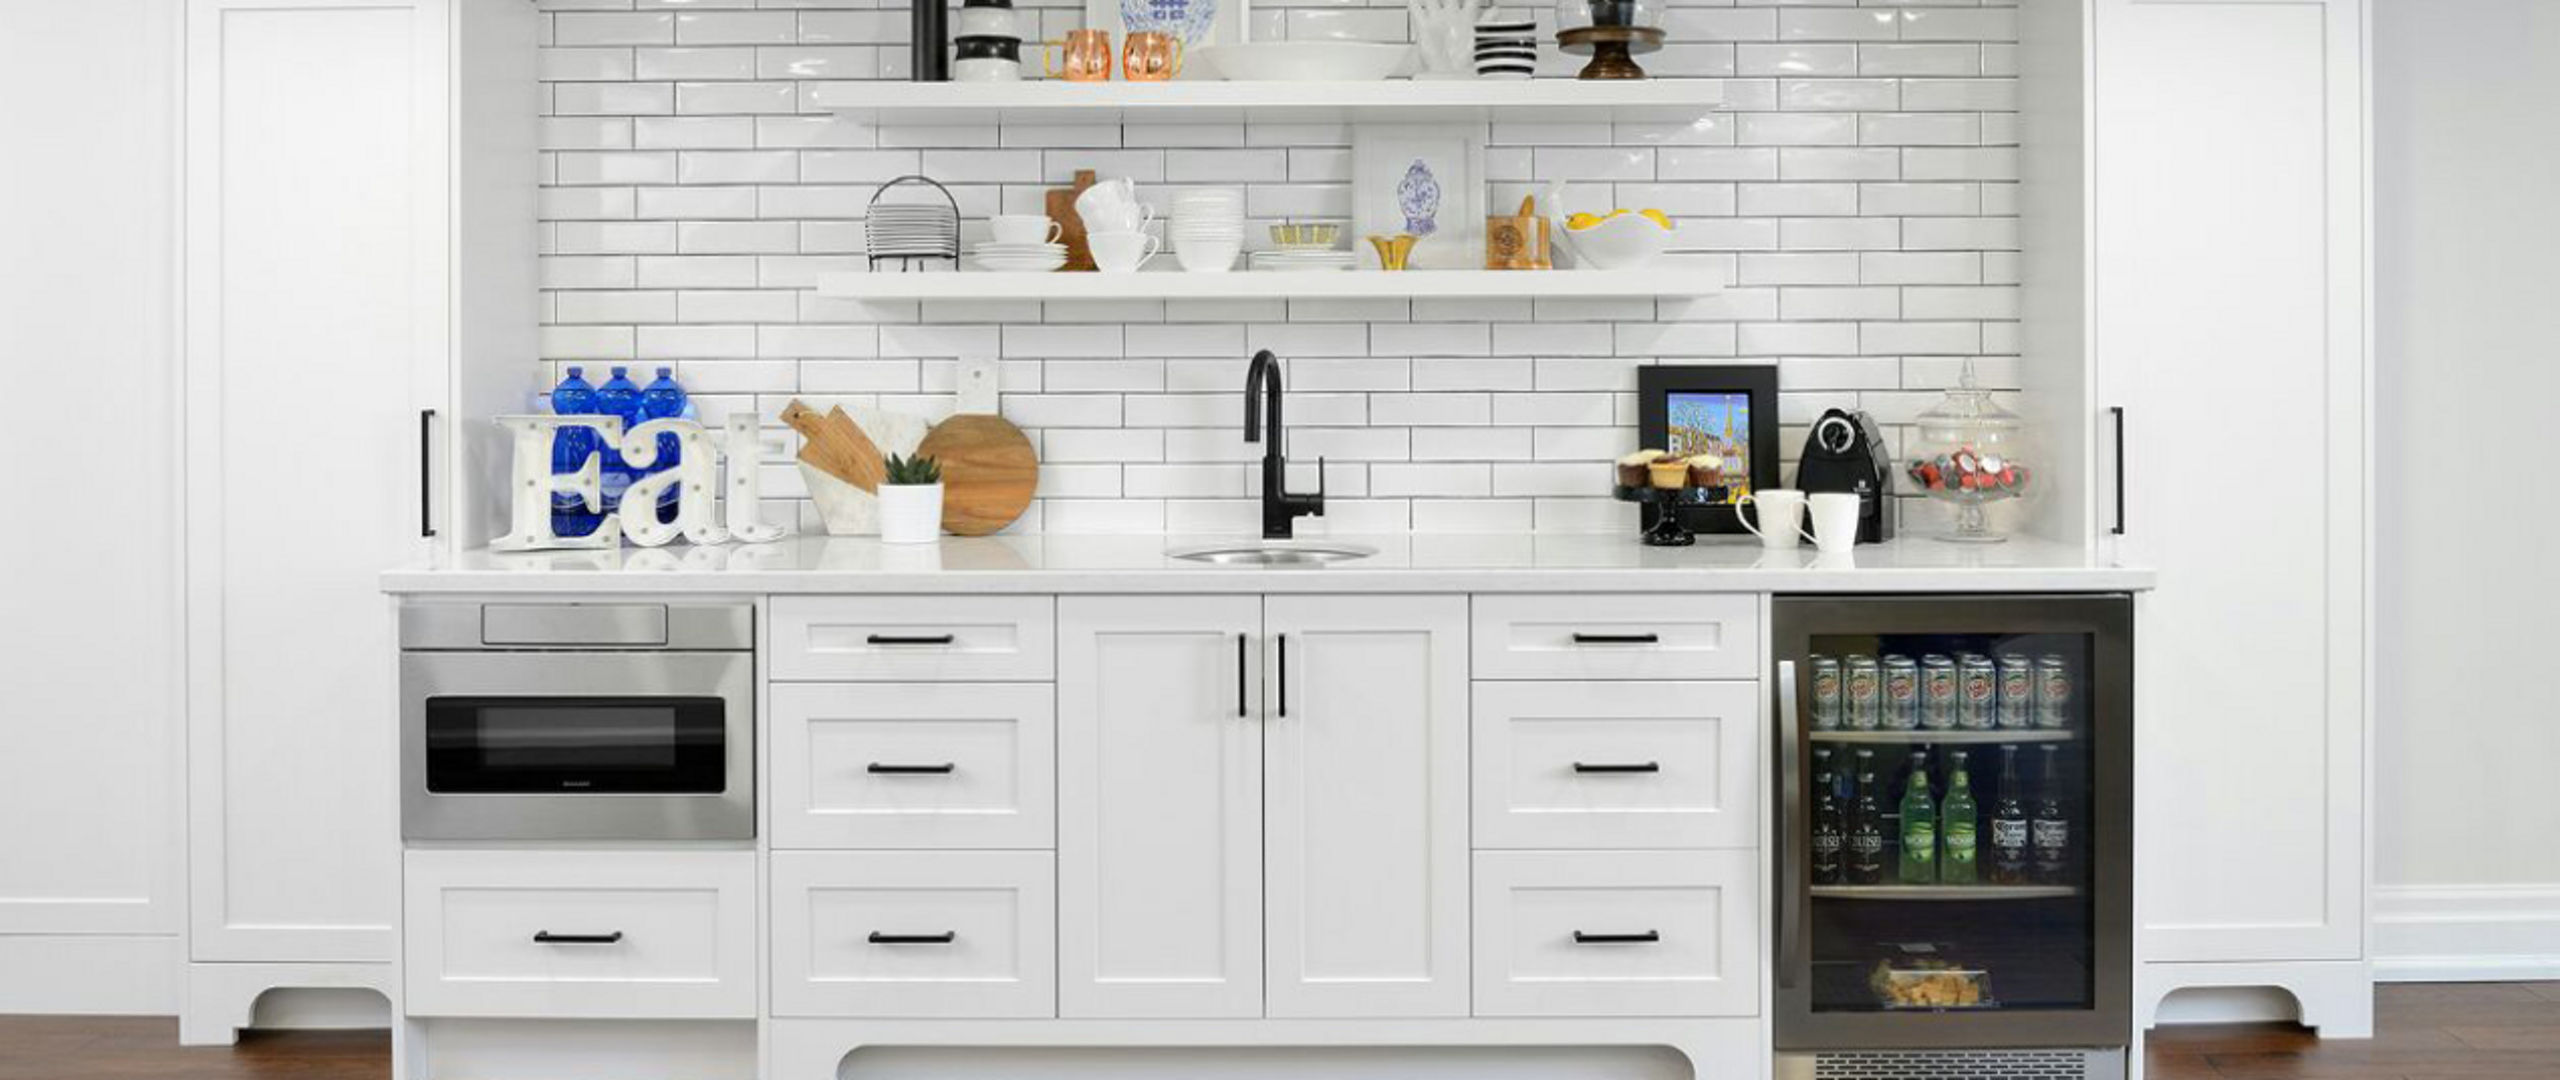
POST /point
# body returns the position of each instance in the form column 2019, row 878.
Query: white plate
column 1034, row 266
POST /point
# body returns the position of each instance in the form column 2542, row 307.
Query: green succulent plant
column 920, row 469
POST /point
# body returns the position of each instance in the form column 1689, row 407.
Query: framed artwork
column 1199, row 23
column 1725, row 410
column 1423, row 179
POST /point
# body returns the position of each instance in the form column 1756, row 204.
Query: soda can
column 1862, row 687
column 1937, row 692
column 1901, row 693
column 1826, row 693
column 2017, row 692
column 2053, row 692
column 1977, row 693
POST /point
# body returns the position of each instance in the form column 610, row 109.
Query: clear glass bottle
column 1970, row 451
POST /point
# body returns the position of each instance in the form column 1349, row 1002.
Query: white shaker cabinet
column 2225, row 222
column 1159, row 807
column 1262, row 807
column 357, row 271
column 1365, row 805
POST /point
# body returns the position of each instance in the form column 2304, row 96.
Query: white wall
column 89, row 907
column 2467, row 163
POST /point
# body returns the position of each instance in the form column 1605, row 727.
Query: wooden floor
column 2474, row 1031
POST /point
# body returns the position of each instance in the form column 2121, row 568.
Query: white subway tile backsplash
column 1859, row 183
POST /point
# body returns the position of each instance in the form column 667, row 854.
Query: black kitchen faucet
column 1279, row 508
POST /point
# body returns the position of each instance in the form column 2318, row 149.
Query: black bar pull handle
column 1646, row 938
column 944, row 938
column 1241, row 711
column 546, row 937
column 911, row 639
column 883, row 768
column 1627, row 767
column 427, row 473
column 2118, row 412
column 1284, row 676
column 1580, row 638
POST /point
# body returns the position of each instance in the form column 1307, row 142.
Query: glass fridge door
column 1955, row 837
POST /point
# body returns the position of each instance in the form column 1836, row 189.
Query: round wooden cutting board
column 988, row 471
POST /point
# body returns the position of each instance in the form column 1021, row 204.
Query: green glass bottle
column 1958, row 821
column 1919, row 825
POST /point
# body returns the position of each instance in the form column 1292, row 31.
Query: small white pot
column 910, row 513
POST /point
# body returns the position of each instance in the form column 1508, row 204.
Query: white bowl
column 1623, row 242
column 1305, row 61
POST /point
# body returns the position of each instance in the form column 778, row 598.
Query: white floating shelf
column 1640, row 100
column 1670, row 278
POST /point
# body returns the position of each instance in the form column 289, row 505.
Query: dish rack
column 911, row 236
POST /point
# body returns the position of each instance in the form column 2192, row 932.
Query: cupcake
column 1706, row 471
column 1669, row 473
column 1632, row 469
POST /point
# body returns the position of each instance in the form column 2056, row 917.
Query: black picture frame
column 1655, row 387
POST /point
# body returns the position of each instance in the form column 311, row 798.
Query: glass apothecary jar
column 1970, row 451
column 1611, row 33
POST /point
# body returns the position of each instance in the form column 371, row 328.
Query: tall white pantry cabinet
column 358, row 265
column 2197, row 214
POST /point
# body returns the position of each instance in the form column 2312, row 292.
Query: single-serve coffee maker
column 1846, row 453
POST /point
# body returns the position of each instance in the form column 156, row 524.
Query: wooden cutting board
column 837, row 446
column 1061, row 203
column 988, row 472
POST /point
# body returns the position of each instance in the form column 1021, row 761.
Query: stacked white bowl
column 1208, row 228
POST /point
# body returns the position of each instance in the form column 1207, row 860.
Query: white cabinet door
column 316, row 193
column 1159, row 807
column 1366, row 816
column 2231, row 325
column 626, row 935
column 1617, row 933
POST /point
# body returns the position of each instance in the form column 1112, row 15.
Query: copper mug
column 1085, row 56
column 1151, row 56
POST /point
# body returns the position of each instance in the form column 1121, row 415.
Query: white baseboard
column 2466, row 933
column 96, row 975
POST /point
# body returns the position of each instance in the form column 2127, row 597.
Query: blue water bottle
column 664, row 400
column 619, row 396
column 569, row 450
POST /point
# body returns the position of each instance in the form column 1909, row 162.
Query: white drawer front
column 914, row 765
column 1617, row 933
column 1617, row 765
column 582, row 934
column 915, row 934
column 1683, row 636
column 915, row 638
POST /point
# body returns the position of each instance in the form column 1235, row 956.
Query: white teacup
column 1024, row 229
column 1781, row 514
column 1120, row 252
column 1134, row 217
column 1835, row 520
column 1119, row 189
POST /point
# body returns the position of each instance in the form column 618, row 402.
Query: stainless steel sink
column 1273, row 554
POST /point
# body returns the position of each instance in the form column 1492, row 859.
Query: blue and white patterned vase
column 1419, row 197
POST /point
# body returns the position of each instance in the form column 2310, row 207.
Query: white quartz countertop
column 1539, row 562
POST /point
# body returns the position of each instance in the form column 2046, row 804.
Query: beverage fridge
column 1954, row 881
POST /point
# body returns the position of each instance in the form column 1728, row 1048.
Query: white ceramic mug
column 986, row 69
column 1781, row 514
column 1024, row 229
column 1120, row 252
column 1835, row 520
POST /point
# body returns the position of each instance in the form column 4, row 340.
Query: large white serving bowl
column 1305, row 61
column 1624, row 242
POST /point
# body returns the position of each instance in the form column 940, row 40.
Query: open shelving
column 1672, row 277
column 1188, row 102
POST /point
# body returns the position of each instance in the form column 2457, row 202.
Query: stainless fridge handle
column 1790, row 861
